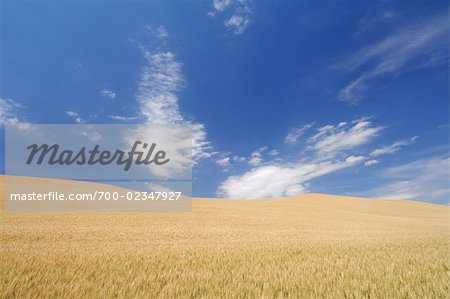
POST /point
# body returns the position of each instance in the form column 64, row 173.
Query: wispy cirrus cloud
column 295, row 133
column 392, row 148
column 383, row 12
column 425, row 180
column 224, row 162
column 240, row 17
column 330, row 141
column 414, row 46
column 161, row 80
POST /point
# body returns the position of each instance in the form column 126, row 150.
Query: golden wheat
column 305, row 246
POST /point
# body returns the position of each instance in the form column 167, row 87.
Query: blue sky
column 285, row 97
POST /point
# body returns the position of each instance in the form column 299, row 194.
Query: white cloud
column 255, row 159
column 323, row 131
column 160, row 81
column 76, row 117
column 371, row 162
column 157, row 96
column 426, row 180
column 176, row 142
column 256, row 156
column 277, row 180
column 274, row 152
column 220, row 5
column 295, row 133
column 223, row 162
column 331, row 147
column 240, row 17
column 108, row 94
column 239, row 159
column 333, row 140
column 9, row 115
column 354, row 159
column 238, row 22
column 8, row 111
column 393, row 148
column 421, row 45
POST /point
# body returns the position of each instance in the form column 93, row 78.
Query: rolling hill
column 311, row 245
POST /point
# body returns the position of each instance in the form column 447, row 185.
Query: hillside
column 306, row 245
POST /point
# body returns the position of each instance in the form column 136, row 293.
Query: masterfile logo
column 53, row 155
column 145, row 167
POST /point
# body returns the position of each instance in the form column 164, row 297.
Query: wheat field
column 306, row 246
